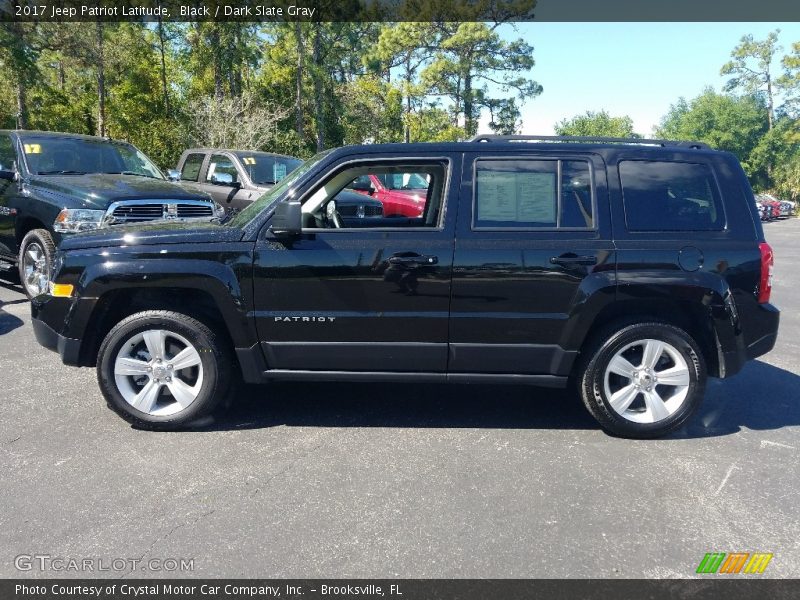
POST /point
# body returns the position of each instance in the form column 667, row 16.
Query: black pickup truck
column 56, row 184
column 633, row 269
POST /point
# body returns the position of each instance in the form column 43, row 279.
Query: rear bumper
column 68, row 348
column 760, row 332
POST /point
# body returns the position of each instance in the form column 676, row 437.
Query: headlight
column 73, row 220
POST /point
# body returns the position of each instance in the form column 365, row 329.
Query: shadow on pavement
column 404, row 405
column 761, row 397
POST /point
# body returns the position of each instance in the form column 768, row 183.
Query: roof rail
column 489, row 137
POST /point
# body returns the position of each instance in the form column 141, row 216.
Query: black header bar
column 57, row 11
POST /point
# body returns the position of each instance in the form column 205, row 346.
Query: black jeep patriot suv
column 633, row 269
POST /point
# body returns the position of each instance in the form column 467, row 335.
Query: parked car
column 402, row 194
column 765, row 210
column 55, row 184
column 236, row 178
column 635, row 270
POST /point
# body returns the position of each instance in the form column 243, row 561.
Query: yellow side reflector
column 61, row 290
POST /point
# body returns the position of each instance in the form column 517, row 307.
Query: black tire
column 604, row 346
column 42, row 239
column 214, row 359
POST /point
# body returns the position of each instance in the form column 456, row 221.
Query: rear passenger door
column 533, row 242
column 191, row 170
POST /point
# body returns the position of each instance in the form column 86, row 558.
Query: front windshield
column 248, row 213
column 46, row 155
column 267, row 169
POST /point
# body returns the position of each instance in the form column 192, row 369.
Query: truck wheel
column 643, row 380
column 163, row 370
column 35, row 261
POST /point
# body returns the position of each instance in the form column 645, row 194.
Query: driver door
column 370, row 298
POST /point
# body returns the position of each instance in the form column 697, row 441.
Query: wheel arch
column 117, row 304
column 691, row 316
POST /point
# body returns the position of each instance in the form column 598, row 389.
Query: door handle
column 573, row 260
column 414, row 260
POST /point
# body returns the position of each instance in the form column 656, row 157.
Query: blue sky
column 634, row 69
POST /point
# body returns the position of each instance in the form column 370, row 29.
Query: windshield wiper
column 126, row 173
column 61, row 173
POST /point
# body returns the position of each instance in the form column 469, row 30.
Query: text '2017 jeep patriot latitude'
column 634, row 269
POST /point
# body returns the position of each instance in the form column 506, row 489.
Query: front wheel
column 163, row 370
column 644, row 380
column 35, row 261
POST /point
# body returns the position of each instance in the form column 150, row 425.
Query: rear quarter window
column 670, row 196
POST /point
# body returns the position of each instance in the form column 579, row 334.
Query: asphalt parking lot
column 342, row 480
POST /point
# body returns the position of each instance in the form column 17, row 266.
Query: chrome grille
column 359, row 210
column 188, row 211
column 132, row 213
column 139, row 211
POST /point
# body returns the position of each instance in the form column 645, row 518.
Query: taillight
column 765, row 281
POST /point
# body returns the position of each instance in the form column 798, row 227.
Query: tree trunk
column 770, row 103
column 161, row 49
column 219, row 90
column 22, row 105
column 469, row 123
column 298, row 98
column 409, row 78
column 319, row 109
column 101, row 82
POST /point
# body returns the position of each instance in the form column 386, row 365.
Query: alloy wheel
column 34, row 269
column 158, row 372
column 647, row 381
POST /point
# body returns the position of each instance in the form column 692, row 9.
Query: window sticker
column 517, row 197
column 33, row 148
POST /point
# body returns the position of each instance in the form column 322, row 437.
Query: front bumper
column 68, row 348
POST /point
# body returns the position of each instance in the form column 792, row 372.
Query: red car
column 773, row 205
column 402, row 194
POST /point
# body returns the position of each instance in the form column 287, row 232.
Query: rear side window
column 191, row 167
column 670, row 196
column 533, row 194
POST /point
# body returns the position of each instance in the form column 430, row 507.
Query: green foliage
column 725, row 122
column 597, row 124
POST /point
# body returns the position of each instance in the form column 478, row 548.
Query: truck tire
column 164, row 370
column 642, row 380
column 36, row 254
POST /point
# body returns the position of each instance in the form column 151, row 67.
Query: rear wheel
column 643, row 380
column 163, row 370
column 35, row 261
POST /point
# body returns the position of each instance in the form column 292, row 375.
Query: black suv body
column 56, row 184
column 633, row 270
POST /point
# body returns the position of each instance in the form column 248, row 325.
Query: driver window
column 379, row 195
column 222, row 171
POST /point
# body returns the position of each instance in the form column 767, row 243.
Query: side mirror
column 8, row 175
column 173, row 175
column 288, row 218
